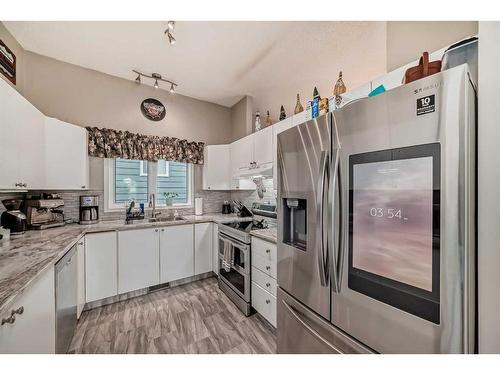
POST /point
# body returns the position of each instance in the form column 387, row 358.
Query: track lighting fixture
column 168, row 32
column 171, row 38
column 157, row 77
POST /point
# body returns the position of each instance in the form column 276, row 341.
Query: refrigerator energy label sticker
column 427, row 104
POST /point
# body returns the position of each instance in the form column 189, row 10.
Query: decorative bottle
column 282, row 113
column 268, row 119
column 258, row 124
column 339, row 89
column 298, row 106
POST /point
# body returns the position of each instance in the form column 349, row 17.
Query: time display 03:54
column 388, row 213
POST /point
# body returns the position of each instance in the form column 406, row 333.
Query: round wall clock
column 153, row 109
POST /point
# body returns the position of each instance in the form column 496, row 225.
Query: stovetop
column 247, row 226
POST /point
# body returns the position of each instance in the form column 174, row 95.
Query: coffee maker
column 13, row 218
column 46, row 211
column 89, row 209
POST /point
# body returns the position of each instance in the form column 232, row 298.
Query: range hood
column 262, row 170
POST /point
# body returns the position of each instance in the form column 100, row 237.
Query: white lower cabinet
column 264, row 284
column 202, row 248
column 176, row 252
column 33, row 331
column 80, row 255
column 101, row 266
column 215, row 249
column 264, row 302
column 138, row 259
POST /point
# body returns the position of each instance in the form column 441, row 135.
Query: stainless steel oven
column 236, row 280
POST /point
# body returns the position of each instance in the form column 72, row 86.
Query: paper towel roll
column 198, row 206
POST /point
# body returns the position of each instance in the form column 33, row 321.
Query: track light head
column 171, row 25
column 138, row 79
column 156, row 84
column 172, row 90
column 171, row 38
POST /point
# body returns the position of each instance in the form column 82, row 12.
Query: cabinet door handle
column 163, row 229
column 83, row 186
column 268, row 251
column 25, row 184
column 268, row 268
column 268, row 284
column 18, row 184
column 268, row 301
column 156, row 230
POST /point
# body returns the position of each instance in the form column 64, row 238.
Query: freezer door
column 304, row 160
column 301, row 331
column 404, row 246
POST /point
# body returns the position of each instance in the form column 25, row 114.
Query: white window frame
column 109, row 186
column 164, row 173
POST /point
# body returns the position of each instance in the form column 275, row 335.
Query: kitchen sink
column 166, row 219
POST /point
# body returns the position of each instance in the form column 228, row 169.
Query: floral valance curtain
column 109, row 143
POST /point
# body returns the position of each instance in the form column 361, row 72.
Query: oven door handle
column 234, row 243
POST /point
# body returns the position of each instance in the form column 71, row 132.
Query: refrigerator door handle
column 335, row 269
column 312, row 331
column 320, row 232
column 338, row 253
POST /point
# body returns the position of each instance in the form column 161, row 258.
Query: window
column 163, row 168
column 127, row 180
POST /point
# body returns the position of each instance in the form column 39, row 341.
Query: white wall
column 488, row 188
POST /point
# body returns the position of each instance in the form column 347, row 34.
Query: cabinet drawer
column 263, row 248
column 268, row 266
column 265, row 303
column 265, row 281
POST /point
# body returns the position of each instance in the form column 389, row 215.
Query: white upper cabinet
column 241, row 154
column 66, row 156
column 138, row 259
column 217, row 167
column 202, row 248
column 263, row 146
column 22, row 156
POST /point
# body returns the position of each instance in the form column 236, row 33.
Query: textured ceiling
column 219, row 61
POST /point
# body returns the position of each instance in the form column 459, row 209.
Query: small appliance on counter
column 226, row 208
column 89, row 209
column 13, row 218
column 45, row 212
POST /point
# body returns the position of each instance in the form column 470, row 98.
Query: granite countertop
column 24, row 258
column 268, row 234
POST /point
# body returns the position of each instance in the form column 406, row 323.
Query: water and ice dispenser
column 295, row 222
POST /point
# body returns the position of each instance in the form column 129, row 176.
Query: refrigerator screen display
column 393, row 220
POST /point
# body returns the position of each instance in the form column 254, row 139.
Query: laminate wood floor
column 191, row 318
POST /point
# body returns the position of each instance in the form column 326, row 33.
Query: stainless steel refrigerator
column 376, row 224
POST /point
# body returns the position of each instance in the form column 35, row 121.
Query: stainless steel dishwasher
column 66, row 300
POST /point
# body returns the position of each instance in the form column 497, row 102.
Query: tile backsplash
column 212, row 203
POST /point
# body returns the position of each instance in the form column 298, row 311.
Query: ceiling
column 219, row 62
